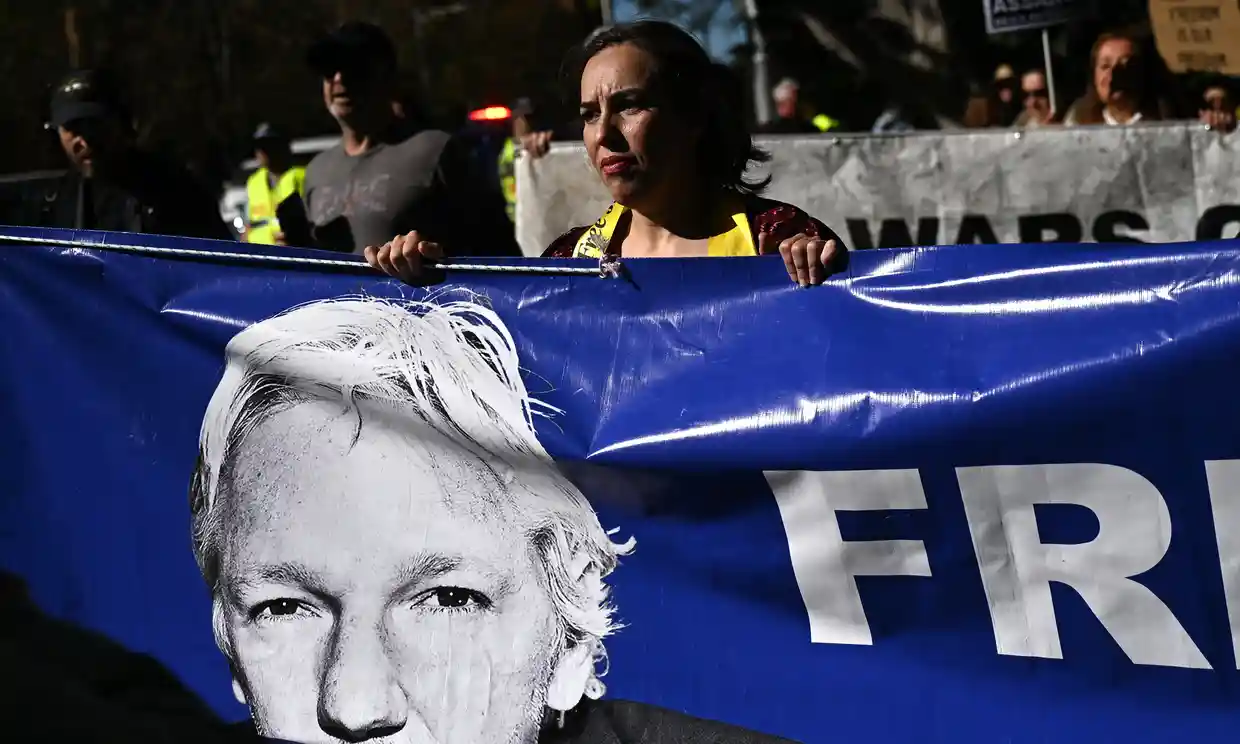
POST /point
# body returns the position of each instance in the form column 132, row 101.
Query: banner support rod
column 608, row 267
column 1050, row 71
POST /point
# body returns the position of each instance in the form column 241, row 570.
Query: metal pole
column 605, row 10
column 1050, row 72
column 761, row 77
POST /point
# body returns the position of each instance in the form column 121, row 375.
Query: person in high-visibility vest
column 523, row 138
column 275, row 180
column 789, row 113
column 824, row 123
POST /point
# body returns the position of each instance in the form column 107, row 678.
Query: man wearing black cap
column 276, row 180
column 113, row 185
column 380, row 181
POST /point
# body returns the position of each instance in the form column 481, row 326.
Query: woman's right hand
column 404, row 257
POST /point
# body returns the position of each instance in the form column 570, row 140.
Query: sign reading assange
column 1019, row 15
column 1153, row 184
column 955, row 495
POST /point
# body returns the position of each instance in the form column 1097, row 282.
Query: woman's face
column 1112, row 54
column 641, row 148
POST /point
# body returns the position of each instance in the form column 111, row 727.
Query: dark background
column 202, row 73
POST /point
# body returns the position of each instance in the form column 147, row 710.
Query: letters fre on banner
column 956, row 495
column 1156, row 183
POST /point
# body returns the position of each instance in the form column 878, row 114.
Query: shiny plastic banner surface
column 954, row 495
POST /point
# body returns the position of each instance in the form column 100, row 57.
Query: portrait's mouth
column 618, row 165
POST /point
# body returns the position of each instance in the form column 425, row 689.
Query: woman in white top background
column 1128, row 80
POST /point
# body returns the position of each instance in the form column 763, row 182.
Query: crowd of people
column 663, row 127
column 1129, row 85
column 662, row 123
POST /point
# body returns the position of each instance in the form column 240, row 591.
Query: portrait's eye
column 453, row 598
column 279, row 609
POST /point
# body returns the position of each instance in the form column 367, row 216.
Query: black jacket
column 626, row 722
column 146, row 195
column 66, row 684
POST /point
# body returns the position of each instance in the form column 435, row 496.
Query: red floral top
column 766, row 216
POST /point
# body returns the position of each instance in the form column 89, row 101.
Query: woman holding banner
column 664, row 129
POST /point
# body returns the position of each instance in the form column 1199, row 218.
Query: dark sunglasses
column 1036, row 93
column 357, row 68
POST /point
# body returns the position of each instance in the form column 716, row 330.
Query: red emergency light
column 491, row 113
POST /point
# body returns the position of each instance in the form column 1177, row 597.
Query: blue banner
column 961, row 494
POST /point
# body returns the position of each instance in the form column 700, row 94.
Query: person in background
column 1036, row 100
column 382, row 178
column 982, row 111
column 1218, row 106
column 112, row 184
column 275, row 180
column 789, row 114
column 989, row 108
column 525, row 138
column 902, row 115
column 1003, row 92
column 1125, row 87
column 664, row 131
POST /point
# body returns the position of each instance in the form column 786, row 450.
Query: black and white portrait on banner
column 392, row 554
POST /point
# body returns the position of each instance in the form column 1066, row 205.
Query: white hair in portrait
column 450, row 366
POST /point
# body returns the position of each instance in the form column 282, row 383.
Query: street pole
column 605, row 10
column 761, row 76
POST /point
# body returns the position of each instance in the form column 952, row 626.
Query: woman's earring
column 595, row 688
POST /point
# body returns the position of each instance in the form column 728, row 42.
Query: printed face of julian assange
column 369, row 593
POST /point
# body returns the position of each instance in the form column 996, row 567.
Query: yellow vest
column 825, row 123
column 738, row 241
column 508, row 177
column 261, row 222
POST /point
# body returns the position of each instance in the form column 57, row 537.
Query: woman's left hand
column 807, row 258
column 536, row 144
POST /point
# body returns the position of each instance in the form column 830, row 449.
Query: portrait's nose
column 609, row 134
column 360, row 697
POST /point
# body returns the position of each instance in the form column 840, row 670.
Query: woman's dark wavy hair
column 698, row 88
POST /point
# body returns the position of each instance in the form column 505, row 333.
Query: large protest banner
column 1157, row 183
column 956, row 495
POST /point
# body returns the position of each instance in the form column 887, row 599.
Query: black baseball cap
column 522, row 107
column 350, row 45
column 85, row 94
column 268, row 133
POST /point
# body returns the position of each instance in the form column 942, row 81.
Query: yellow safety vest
column 737, row 241
column 261, row 222
column 508, row 177
column 824, row 123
